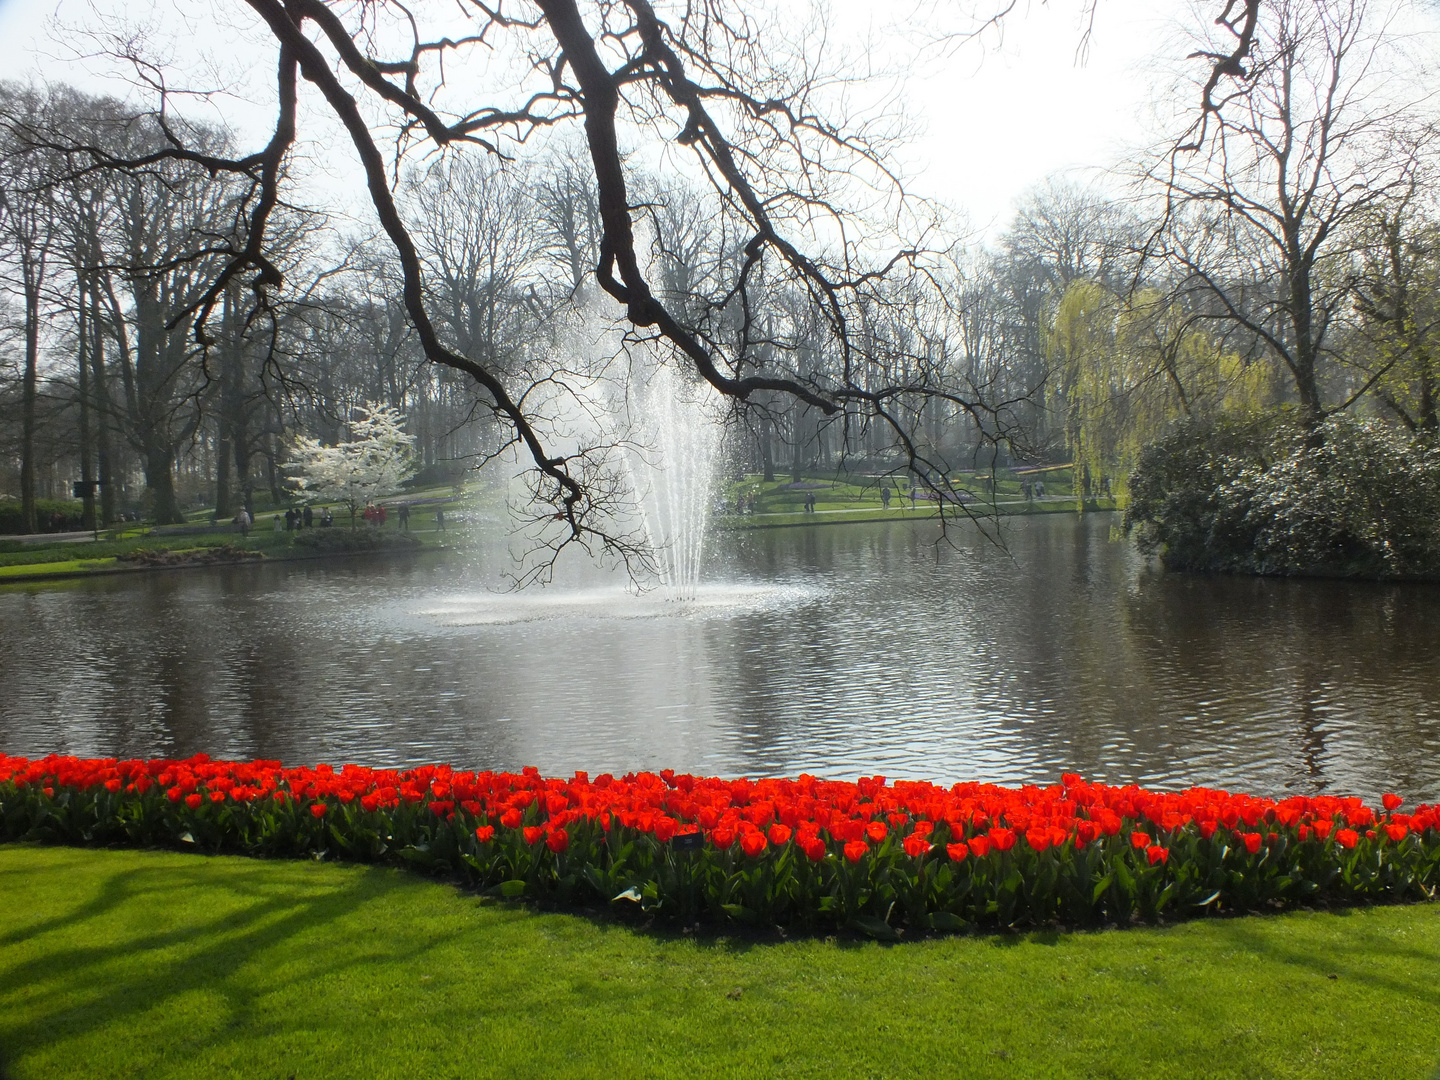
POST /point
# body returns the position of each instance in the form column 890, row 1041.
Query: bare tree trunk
column 27, row 406
column 87, row 447
column 103, row 464
column 160, row 480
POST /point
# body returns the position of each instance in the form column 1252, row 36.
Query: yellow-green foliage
column 1129, row 367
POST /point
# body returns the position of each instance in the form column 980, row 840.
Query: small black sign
column 687, row 841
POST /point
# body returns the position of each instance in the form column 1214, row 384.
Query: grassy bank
column 141, row 549
column 127, row 964
column 852, row 515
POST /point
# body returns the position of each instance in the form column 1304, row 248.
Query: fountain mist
column 674, row 476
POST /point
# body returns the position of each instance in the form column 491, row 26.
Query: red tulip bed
column 806, row 853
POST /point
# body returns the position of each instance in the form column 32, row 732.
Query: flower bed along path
column 810, row 853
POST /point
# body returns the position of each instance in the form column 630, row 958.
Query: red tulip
column 485, row 833
column 957, row 851
column 1391, row 802
column 557, row 840
column 916, row 846
column 752, row 843
column 855, row 850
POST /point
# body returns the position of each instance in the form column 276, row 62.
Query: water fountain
column 672, row 473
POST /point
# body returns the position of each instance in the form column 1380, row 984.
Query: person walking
column 243, row 521
column 404, row 514
column 308, row 517
column 440, row 518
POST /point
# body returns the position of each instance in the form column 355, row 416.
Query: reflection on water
column 838, row 651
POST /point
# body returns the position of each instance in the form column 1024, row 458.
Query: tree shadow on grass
column 96, row 963
column 114, row 953
column 1355, row 959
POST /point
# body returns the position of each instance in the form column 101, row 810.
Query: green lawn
column 148, row 964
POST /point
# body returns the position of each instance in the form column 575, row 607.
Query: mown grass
column 825, row 515
column 58, row 566
column 92, row 556
column 49, row 557
column 155, row 964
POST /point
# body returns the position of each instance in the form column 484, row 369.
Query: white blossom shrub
column 1357, row 498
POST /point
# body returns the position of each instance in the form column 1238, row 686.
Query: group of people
column 1032, row 489
column 376, row 516
column 297, row 518
column 886, row 494
column 293, row 519
column 305, row 519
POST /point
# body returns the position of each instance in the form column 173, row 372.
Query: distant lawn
column 66, row 566
column 147, row 964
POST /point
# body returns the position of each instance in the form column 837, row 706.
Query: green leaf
column 512, row 889
column 1209, row 899
column 738, row 912
column 947, row 921
column 1100, row 887
column 632, row 894
column 1125, row 878
column 875, row 928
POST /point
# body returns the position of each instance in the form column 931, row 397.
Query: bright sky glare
column 996, row 116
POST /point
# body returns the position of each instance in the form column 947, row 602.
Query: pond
column 839, row 651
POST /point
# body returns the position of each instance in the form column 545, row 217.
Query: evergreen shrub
column 1254, row 494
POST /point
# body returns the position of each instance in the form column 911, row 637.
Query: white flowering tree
column 370, row 465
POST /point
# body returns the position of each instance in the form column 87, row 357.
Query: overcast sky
column 997, row 116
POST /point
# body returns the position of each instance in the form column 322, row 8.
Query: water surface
column 840, row 650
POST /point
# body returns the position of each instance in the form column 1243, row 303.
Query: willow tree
column 1132, row 365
